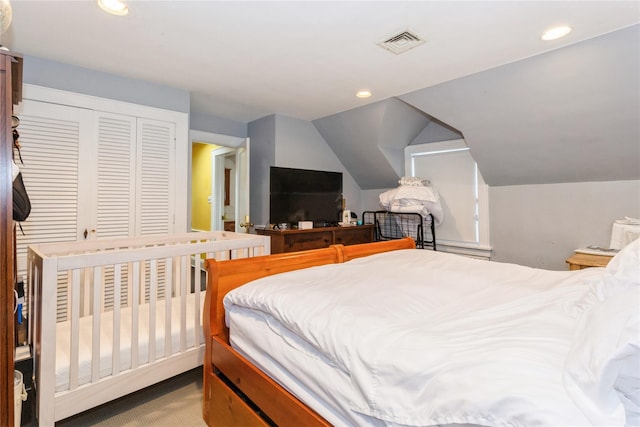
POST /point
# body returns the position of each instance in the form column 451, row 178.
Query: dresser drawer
column 306, row 241
column 353, row 235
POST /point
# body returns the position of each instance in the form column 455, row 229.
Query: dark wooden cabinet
column 316, row 238
column 10, row 94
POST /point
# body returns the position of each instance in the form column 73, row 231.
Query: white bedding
column 428, row 338
column 106, row 339
column 421, row 199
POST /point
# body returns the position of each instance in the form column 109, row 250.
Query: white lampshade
column 5, row 15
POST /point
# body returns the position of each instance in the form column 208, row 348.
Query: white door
column 56, row 148
column 242, row 188
column 51, row 138
column 217, row 195
column 130, row 168
column 155, row 209
column 96, row 174
column 113, row 198
column 91, row 174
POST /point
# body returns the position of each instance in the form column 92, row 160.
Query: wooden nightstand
column 579, row 260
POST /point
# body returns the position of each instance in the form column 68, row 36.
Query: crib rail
column 145, row 292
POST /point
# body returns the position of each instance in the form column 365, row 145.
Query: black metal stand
column 397, row 225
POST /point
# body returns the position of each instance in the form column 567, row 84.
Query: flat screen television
column 305, row 195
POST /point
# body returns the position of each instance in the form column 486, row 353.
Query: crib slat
column 197, row 289
column 98, row 285
column 117, row 289
column 85, row 293
column 135, row 303
column 130, row 284
column 185, row 275
column 74, row 332
column 153, row 296
column 68, row 291
column 169, row 273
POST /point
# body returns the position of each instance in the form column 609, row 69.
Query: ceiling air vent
column 402, row 42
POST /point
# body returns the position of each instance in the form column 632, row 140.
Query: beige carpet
column 172, row 403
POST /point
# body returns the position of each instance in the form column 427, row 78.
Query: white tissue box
column 305, row 225
column 623, row 232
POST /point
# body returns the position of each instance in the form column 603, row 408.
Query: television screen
column 305, row 195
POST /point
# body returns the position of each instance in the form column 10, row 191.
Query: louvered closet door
column 51, row 137
column 113, row 195
column 155, row 168
column 134, row 191
column 155, row 195
column 109, row 174
column 114, row 176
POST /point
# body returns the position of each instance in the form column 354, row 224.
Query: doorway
column 220, row 182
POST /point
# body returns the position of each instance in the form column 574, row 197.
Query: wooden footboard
column 235, row 392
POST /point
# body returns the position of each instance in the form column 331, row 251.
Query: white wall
column 541, row 225
column 371, row 200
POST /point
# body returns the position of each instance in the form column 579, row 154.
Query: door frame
column 228, row 144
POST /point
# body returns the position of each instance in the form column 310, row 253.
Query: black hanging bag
column 21, row 202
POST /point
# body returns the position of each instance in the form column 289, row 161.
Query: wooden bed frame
column 235, row 392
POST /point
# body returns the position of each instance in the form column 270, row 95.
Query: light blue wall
column 219, row 125
column 262, row 137
column 56, row 75
column 541, row 225
column 300, row 145
column 279, row 140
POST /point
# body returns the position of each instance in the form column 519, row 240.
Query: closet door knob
column 86, row 233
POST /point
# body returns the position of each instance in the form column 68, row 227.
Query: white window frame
column 479, row 246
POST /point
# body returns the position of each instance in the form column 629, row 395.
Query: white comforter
column 430, row 338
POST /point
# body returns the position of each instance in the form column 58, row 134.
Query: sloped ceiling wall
column 370, row 140
column 570, row 115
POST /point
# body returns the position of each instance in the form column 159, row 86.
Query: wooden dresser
column 316, row 238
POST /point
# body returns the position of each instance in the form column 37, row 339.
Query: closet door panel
column 113, row 198
column 155, row 191
column 53, row 141
column 51, row 137
column 155, row 169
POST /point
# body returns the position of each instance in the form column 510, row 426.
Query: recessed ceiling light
column 114, row 7
column 556, row 33
column 363, row 94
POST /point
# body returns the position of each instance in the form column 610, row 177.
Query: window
column 463, row 194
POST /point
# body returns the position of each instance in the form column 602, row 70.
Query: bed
column 109, row 317
column 383, row 334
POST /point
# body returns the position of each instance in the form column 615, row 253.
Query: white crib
column 100, row 324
